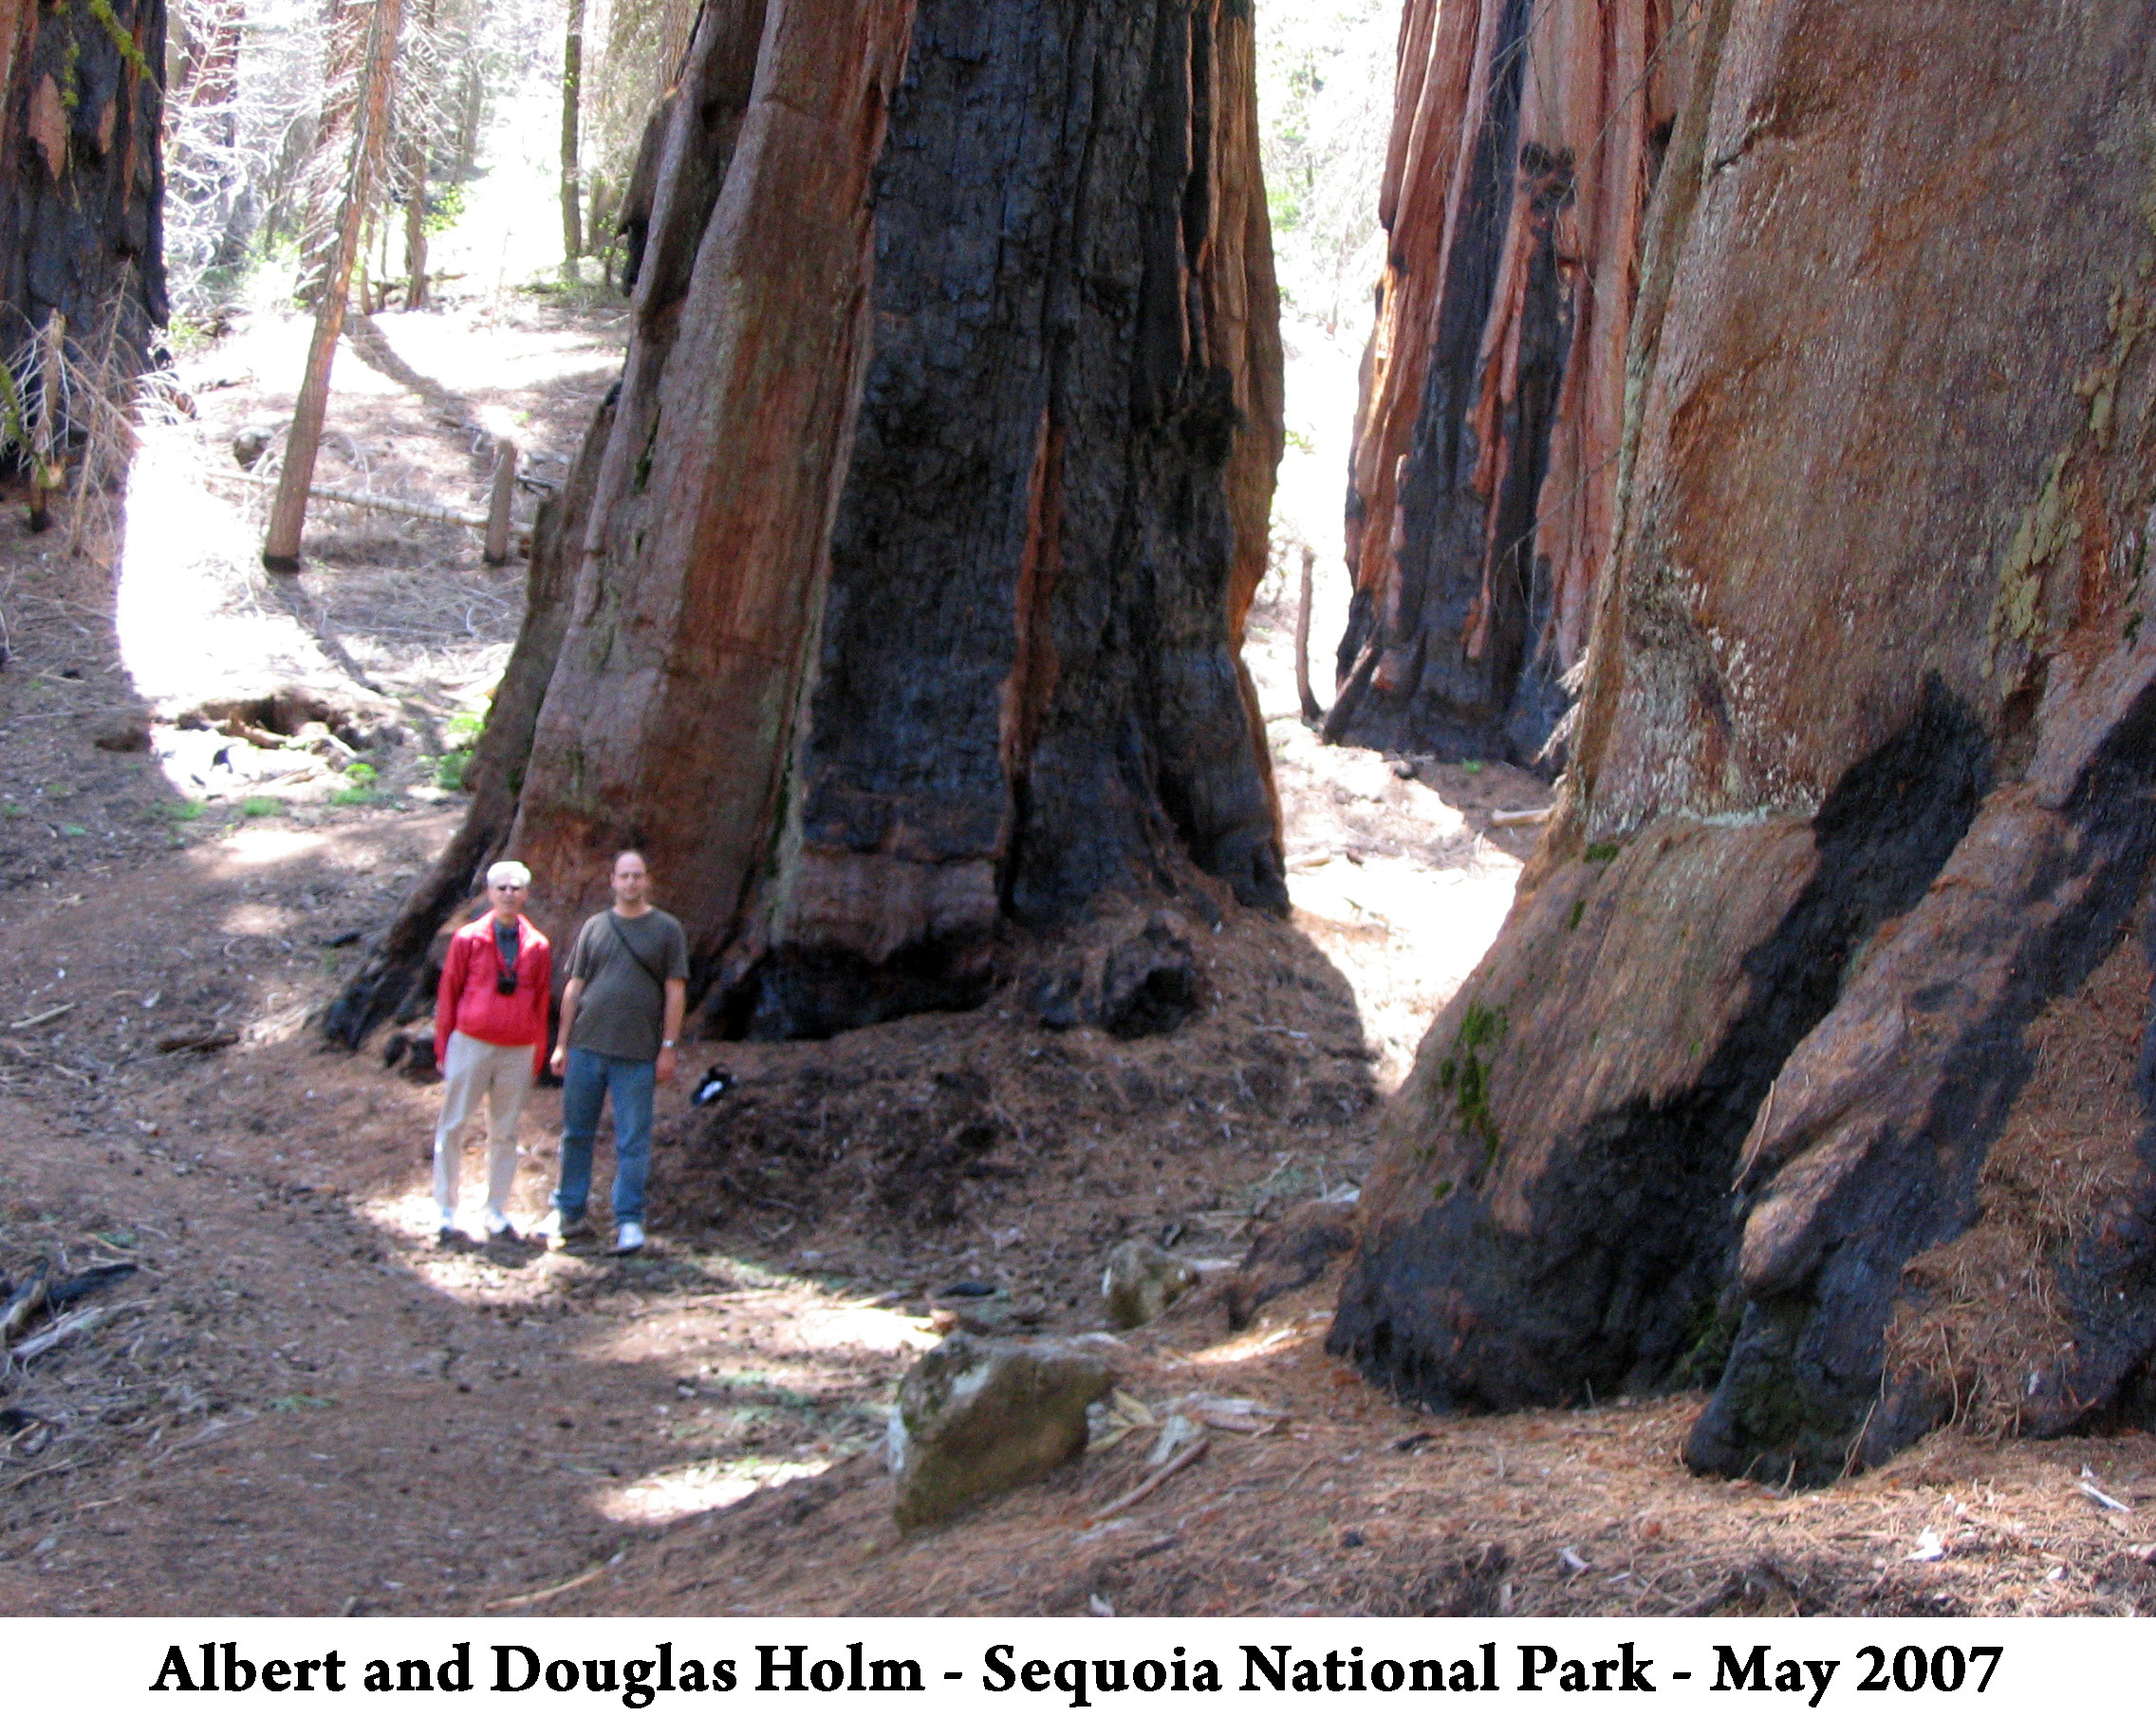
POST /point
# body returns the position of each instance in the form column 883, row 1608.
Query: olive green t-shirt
column 621, row 1012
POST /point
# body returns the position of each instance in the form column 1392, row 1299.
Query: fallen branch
column 1181, row 1461
column 56, row 1335
column 44, row 1017
column 552, row 1591
column 374, row 502
column 1521, row 816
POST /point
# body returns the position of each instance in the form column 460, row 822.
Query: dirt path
column 299, row 1403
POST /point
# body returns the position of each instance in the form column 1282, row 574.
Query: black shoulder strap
column 622, row 934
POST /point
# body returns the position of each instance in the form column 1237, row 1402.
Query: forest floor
column 298, row 1403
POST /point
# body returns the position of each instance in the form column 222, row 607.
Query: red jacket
column 468, row 1000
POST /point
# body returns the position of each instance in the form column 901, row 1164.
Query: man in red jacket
column 490, row 1034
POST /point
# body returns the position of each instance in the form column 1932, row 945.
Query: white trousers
column 473, row 1072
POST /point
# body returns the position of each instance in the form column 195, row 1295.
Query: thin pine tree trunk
column 572, row 80
column 288, row 513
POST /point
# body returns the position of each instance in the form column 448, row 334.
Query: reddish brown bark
column 1864, row 788
column 1524, row 149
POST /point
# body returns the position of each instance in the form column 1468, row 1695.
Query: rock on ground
column 975, row 1419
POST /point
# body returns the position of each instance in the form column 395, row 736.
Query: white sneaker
column 498, row 1226
column 628, row 1237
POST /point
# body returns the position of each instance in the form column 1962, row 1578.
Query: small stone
column 1142, row 1282
column 977, row 1417
column 249, row 445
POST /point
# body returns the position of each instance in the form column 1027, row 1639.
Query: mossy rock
column 977, row 1418
column 1142, row 1282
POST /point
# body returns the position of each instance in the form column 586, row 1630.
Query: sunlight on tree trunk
column 288, row 513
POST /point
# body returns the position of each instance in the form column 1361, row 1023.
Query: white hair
column 509, row 874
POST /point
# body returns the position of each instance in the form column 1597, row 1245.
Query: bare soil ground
column 298, row 1403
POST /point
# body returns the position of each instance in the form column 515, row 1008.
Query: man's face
column 630, row 878
column 508, row 901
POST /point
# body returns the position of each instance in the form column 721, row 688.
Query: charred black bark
column 1024, row 668
column 1627, row 1284
column 1461, row 664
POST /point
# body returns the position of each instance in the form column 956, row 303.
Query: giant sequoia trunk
column 82, row 181
column 914, row 560
column 1526, row 138
column 1805, row 1066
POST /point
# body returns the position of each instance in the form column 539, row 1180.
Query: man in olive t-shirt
column 621, row 1019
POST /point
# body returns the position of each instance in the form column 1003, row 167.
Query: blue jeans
column 589, row 1081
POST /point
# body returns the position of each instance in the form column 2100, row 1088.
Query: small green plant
column 74, row 832
column 10, row 810
column 1471, row 768
column 178, row 811
column 445, row 204
column 1603, row 853
column 1300, row 440
column 261, row 807
column 1579, row 909
column 450, row 770
column 1465, row 1074
column 358, row 796
column 465, row 728
column 361, row 774
column 1442, row 1191
column 299, row 1400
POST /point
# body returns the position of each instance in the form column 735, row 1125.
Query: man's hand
column 668, row 1059
column 559, row 1062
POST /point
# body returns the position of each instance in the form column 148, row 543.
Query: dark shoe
column 568, row 1232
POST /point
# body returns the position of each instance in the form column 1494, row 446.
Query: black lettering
column 522, row 1654
column 1275, row 1673
column 637, row 1689
column 1535, row 1660
column 174, row 1664
column 894, row 1675
column 276, row 1675
column 1749, row 1676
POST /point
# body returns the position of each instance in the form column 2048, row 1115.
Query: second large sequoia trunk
column 1811, row 1064
column 915, row 547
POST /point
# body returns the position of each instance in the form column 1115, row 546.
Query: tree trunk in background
column 1807, row 1065
column 1525, row 142
column 916, row 563
column 288, row 509
column 572, row 180
column 415, row 225
column 418, row 137
column 81, row 176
